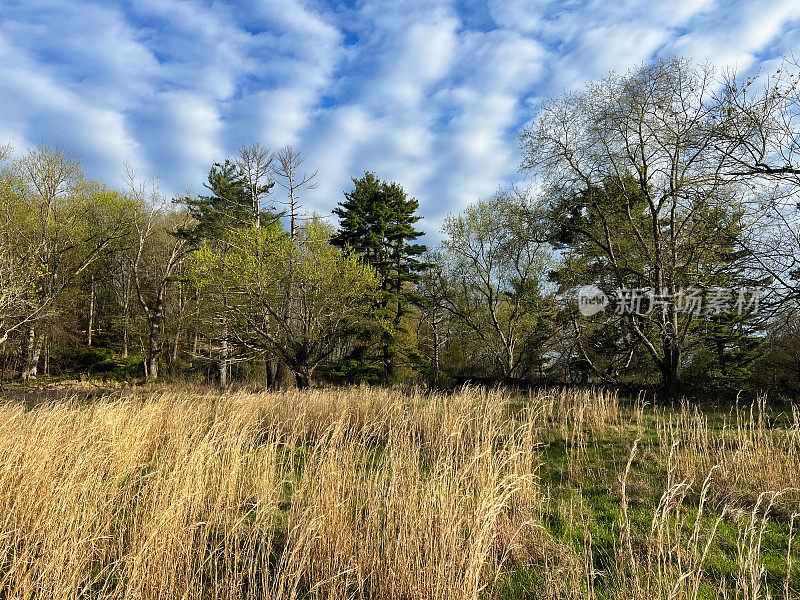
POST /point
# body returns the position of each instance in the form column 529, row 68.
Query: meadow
column 394, row 493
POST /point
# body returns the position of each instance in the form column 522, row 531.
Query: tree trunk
column 151, row 371
column 223, row 359
column 154, row 350
column 47, row 348
column 178, row 328
column 670, row 370
column 91, row 310
column 388, row 358
column 434, row 376
column 279, row 371
column 126, row 303
column 275, row 372
column 270, row 367
column 303, row 379
column 144, row 359
column 3, row 363
column 195, row 337
column 33, row 348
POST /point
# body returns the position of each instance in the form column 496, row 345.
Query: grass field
column 373, row 493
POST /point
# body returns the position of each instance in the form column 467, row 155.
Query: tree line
column 671, row 191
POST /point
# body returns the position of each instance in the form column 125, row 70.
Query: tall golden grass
column 352, row 493
column 754, row 453
column 327, row 494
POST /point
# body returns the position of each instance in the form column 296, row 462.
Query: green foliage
column 229, row 206
column 377, row 221
column 494, row 286
column 298, row 298
column 354, row 367
column 606, row 236
column 98, row 362
column 56, row 225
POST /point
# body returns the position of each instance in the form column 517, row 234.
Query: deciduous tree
column 315, row 294
column 633, row 166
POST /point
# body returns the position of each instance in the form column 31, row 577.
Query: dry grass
column 329, row 494
column 751, row 452
column 369, row 493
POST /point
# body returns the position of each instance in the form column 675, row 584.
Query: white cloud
column 429, row 93
column 737, row 36
column 183, row 130
column 37, row 108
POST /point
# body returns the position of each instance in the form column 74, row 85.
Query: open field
column 375, row 493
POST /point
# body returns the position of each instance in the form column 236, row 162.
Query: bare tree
column 636, row 163
column 758, row 134
column 294, row 182
column 159, row 252
column 254, row 163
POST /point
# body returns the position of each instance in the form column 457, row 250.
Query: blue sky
column 429, row 94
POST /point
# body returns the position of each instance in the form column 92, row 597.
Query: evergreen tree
column 377, row 221
column 603, row 236
column 230, row 204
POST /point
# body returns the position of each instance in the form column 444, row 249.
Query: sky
column 429, row 94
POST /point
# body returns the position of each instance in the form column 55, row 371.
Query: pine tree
column 605, row 239
column 230, row 204
column 377, row 221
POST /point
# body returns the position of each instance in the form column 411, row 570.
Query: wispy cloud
column 427, row 93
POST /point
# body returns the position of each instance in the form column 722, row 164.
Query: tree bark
column 91, row 310
column 270, row 367
column 275, row 372
column 47, row 347
column 223, row 359
column 126, row 311
column 388, row 359
column 144, row 367
column 153, row 350
column 178, row 329
column 302, row 377
column 670, row 366
column 434, row 376
column 279, row 371
column 33, row 349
